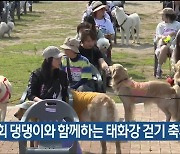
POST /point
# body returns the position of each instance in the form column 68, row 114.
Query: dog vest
column 137, row 89
column 7, row 93
column 81, row 100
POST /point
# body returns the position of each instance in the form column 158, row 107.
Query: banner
column 109, row 131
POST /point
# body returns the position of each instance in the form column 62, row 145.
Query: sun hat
column 97, row 5
column 167, row 11
column 52, row 51
column 71, row 44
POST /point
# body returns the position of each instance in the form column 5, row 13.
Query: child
column 77, row 67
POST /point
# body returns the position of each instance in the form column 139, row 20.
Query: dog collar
column 7, row 92
column 122, row 80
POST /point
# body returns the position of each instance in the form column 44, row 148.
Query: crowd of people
column 81, row 51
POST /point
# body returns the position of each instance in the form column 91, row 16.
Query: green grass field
column 50, row 23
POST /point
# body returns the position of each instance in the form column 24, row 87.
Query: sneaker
column 159, row 74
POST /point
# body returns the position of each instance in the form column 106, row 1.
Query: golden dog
column 123, row 85
column 89, row 106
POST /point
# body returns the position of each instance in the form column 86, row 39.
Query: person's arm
column 104, row 66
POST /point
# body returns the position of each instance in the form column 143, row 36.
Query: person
column 164, row 30
column 90, row 20
column 48, row 82
column 89, row 10
column 103, row 23
column 77, row 66
column 80, row 28
column 88, row 49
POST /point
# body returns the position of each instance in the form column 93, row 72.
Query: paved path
column 138, row 147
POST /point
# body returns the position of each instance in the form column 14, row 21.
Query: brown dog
column 123, row 85
column 89, row 106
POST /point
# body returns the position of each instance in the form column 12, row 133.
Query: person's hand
column 107, row 70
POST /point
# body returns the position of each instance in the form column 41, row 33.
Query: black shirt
column 93, row 55
column 38, row 87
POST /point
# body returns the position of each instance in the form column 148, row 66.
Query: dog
column 103, row 44
column 127, row 24
column 89, row 106
column 5, row 95
column 6, row 28
column 144, row 93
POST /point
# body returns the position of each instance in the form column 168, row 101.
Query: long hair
column 177, row 49
column 171, row 17
column 90, row 19
column 46, row 69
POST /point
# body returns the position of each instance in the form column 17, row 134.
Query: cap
column 52, row 51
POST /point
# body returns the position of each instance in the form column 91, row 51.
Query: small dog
column 123, row 85
column 127, row 23
column 5, row 94
column 89, row 106
column 103, row 44
column 6, row 28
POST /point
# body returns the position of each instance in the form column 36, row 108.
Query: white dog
column 103, row 44
column 6, row 28
column 5, row 94
column 127, row 24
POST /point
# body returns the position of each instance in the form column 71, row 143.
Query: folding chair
column 43, row 112
column 100, row 79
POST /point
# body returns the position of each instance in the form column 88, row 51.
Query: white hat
column 97, row 5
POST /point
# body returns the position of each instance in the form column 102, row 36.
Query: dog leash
column 168, row 98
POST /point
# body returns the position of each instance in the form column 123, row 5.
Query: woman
column 90, row 20
column 165, row 29
column 48, row 82
column 103, row 23
column 88, row 49
column 80, row 28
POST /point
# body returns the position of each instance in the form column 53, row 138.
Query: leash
column 168, row 98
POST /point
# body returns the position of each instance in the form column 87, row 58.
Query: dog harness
column 7, row 94
column 81, row 100
column 123, row 24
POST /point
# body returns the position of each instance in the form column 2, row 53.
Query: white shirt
column 166, row 28
column 105, row 25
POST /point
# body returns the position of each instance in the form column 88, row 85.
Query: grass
column 50, row 23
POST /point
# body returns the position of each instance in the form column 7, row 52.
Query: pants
column 88, row 86
column 163, row 52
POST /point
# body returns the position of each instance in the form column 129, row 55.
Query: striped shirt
column 80, row 68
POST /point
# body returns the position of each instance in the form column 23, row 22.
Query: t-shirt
column 93, row 55
column 166, row 28
column 105, row 25
column 80, row 68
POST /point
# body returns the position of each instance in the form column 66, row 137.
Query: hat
column 71, row 44
column 167, row 11
column 52, row 51
column 97, row 5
